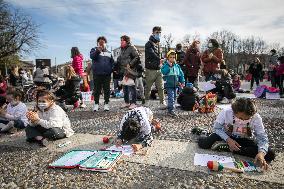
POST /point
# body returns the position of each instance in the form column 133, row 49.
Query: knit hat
column 171, row 52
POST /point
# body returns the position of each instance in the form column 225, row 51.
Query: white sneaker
column 106, row 107
column 224, row 101
column 163, row 105
column 83, row 106
column 96, row 107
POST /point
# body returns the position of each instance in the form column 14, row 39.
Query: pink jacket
column 77, row 64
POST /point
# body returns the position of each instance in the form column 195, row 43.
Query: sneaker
column 96, row 107
column 163, row 105
column 220, row 146
column 106, row 107
column 224, row 101
column 132, row 106
column 83, row 105
column 172, row 113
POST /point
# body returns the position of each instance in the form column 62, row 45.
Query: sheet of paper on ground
column 202, row 159
column 125, row 149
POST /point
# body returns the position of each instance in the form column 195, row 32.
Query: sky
column 68, row 23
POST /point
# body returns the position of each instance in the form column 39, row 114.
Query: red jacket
column 280, row 70
column 192, row 61
column 77, row 64
column 211, row 65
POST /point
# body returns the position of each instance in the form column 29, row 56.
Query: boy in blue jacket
column 174, row 78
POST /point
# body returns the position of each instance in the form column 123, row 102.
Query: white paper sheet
column 206, row 86
column 125, row 149
column 202, row 159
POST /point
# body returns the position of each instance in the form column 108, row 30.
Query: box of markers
column 102, row 161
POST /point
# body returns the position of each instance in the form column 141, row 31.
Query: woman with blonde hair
column 69, row 94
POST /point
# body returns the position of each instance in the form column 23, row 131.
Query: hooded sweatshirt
column 77, row 64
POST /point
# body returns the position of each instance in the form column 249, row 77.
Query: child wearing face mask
column 14, row 117
column 240, row 130
column 48, row 121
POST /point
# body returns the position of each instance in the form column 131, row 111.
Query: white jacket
column 55, row 116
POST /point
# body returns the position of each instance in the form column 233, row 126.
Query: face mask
column 42, row 106
column 242, row 122
column 123, row 44
column 157, row 36
column 210, row 45
column 60, row 84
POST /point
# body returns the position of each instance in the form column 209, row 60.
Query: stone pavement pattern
column 168, row 164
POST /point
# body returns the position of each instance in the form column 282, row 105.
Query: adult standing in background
column 211, row 59
column 102, row 66
column 192, row 62
column 255, row 70
column 41, row 76
column 273, row 63
column 180, row 54
column 128, row 59
column 153, row 64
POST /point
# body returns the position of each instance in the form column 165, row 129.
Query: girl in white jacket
column 14, row 117
column 48, row 121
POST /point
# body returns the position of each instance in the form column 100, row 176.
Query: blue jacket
column 102, row 62
column 172, row 75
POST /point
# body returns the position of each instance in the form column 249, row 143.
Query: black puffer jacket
column 188, row 98
column 128, row 55
column 152, row 54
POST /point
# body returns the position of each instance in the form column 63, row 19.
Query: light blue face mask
column 157, row 36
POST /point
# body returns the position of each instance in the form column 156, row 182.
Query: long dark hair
column 74, row 52
column 214, row 43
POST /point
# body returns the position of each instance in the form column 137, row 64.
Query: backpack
column 207, row 103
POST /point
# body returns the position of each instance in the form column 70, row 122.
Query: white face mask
column 210, row 45
column 42, row 105
column 60, row 84
column 242, row 122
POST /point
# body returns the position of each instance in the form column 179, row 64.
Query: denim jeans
column 171, row 98
column 130, row 93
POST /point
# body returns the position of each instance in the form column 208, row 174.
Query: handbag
column 131, row 73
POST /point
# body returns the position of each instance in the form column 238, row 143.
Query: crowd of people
column 176, row 74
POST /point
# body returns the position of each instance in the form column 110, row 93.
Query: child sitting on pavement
column 188, row 98
column 14, row 117
column 47, row 121
column 234, row 130
column 137, row 127
column 174, row 78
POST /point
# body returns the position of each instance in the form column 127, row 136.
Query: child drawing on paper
column 137, row 127
column 239, row 129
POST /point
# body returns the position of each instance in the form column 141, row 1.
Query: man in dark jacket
column 102, row 66
column 153, row 64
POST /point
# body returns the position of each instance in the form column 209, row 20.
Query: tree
column 189, row 38
column 18, row 33
column 168, row 42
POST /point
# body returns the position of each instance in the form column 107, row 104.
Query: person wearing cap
column 174, row 78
